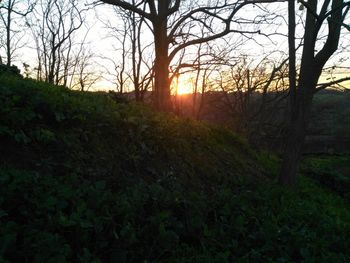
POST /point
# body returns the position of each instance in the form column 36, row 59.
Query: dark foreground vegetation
column 84, row 179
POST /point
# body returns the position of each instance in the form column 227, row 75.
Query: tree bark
column 300, row 116
column 292, row 55
column 8, row 33
column 161, row 66
column 310, row 71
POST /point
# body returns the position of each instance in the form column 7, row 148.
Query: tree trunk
column 295, row 138
column 51, row 74
column 8, row 34
column 161, row 64
column 161, row 68
column 292, row 56
column 296, row 113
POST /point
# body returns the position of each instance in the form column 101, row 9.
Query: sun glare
column 183, row 86
column 183, row 89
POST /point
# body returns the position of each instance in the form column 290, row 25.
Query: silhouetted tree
column 53, row 26
column 133, row 67
column 333, row 13
column 175, row 25
column 84, row 73
column 11, row 11
column 251, row 93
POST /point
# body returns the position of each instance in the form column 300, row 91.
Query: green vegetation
column 84, row 179
column 10, row 70
column 332, row 172
column 331, row 108
column 329, row 129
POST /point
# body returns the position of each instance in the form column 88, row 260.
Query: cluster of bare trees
column 54, row 35
column 12, row 14
column 132, row 67
column 53, row 30
column 156, row 41
column 178, row 25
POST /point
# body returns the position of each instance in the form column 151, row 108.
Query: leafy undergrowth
column 83, row 179
column 332, row 172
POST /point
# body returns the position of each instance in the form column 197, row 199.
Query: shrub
column 10, row 70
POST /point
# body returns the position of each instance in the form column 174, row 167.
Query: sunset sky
column 105, row 47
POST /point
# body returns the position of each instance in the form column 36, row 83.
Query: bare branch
column 322, row 86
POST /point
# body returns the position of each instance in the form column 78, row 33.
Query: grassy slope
column 83, row 179
column 332, row 172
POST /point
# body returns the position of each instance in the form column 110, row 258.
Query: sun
column 183, row 89
column 183, row 86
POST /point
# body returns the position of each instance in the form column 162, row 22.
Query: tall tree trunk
column 51, row 66
column 161, row 67
column 310, row 70
column 8, row 33
column 296, row 134
column 300, row 117
column 292, row 56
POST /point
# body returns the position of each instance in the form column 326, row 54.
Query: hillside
column 86, row 179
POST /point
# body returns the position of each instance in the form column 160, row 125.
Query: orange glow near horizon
column 184, row 89
column 183, row 85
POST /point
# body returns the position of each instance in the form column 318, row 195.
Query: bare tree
column 83, row 75
column 11, row 12
column 142, row 69
column 133, row 67
column 53, row 26
column 247, row 90
column 172, row 20
column 120, row 34
column 315, row 55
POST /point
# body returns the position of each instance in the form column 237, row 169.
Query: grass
column 85, row 179
column 332, row 172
